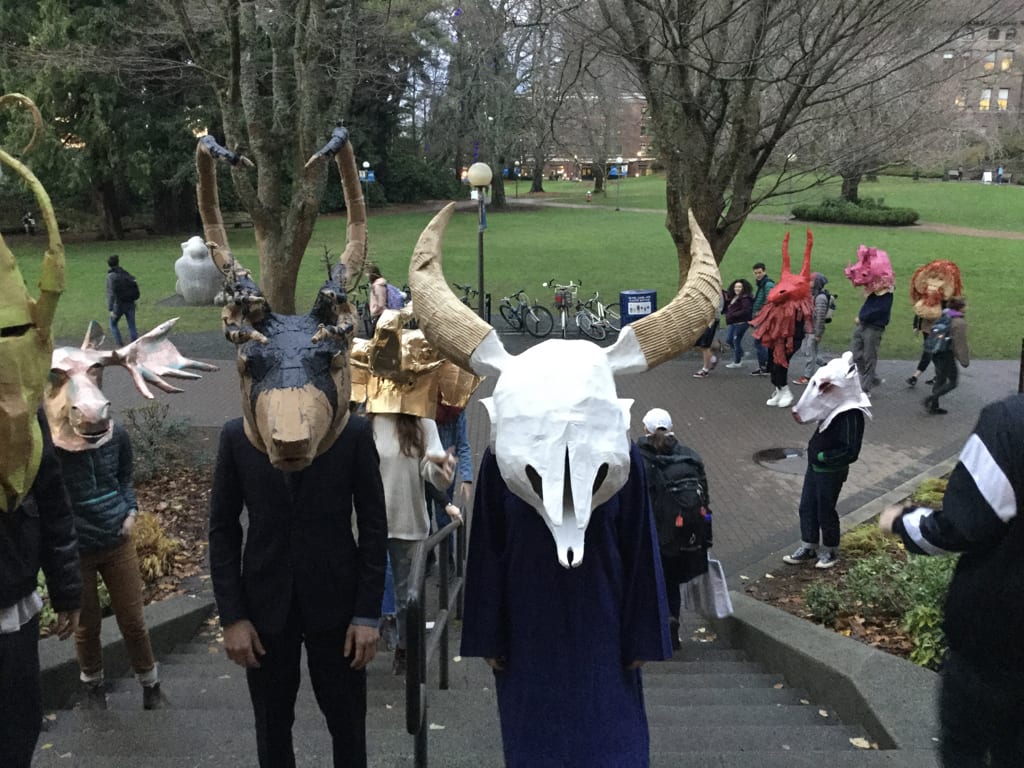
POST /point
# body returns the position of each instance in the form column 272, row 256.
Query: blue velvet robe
column 565, row 698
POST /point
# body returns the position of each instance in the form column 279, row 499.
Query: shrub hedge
column 867, row 212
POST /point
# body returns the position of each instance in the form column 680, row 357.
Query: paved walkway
column 723, row 416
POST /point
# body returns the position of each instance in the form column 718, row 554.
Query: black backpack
column 681, row 515
column 125, row 287
column 940, row 336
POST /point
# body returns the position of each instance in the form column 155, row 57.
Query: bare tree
column 281, row 71
column 727, row 81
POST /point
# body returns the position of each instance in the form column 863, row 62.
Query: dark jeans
column 340, row 691
column 779, row 373
column 945, row 375
column 734, row 338
column 21, row 703
column 762, row 354
column 924, row 362
column 979, row 713
column 128, row 313
column 818, row 516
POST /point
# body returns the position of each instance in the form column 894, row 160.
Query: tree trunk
column 851, row 187
column 107, row 211
column 537, row 182
column 498, row 200
column 599, row 185
column 277, row 275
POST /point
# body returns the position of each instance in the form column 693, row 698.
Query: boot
column 398, row 666
column 152, row 698
column 774, row 399
column 94, row 695
column 785, row 397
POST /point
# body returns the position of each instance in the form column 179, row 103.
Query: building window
column 1011, row 33
column 993, row 33
column 947, row 56
column 986, row 99
column 1003, row 100
column 961, row 98
column 1006, row 61
column 990, row 62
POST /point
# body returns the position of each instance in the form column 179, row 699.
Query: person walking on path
column 835, row 400
column 122, row 293
column 819, row 318
column 874, row 316
column 739, row 309
column 923, row 326
column 764, row 285
column 948, row 345
column 981, row 703
column 678, row 485
column 706, row 344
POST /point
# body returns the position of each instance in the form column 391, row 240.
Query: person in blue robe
column 566, row 644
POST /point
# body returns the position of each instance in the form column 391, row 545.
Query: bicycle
column 595, row 318
column 468, row 292
column 565, row 298
column 522, row 315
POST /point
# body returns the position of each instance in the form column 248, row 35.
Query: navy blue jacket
column 876, row 310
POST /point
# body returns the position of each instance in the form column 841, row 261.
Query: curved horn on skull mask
column 450, row 325
column 674, row 328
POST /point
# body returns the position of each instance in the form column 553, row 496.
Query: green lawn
column 962, row 204
column 605, row 249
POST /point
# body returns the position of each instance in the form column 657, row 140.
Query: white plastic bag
column 708, row 594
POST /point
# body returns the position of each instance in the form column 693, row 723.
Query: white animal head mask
column 834, row 388
column 561, row 447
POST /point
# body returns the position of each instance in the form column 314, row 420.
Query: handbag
column 708, row 594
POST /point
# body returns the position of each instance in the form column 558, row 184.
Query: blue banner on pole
column 483, row 215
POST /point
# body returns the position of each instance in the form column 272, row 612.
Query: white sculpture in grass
column 199, row 279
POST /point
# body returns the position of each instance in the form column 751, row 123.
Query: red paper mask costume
column 25, row 339
column 787, row 302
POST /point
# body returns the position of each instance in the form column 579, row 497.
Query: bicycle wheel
column 537, row 321
column 611, row 315
column 587, row 323
column 509, row 316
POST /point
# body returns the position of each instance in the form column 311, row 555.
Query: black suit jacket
column 300, row 550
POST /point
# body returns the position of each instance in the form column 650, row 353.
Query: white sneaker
column 785, row 397
column 774, row 399
column 734, row 365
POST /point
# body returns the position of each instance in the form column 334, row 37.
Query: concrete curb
column 893, row 699
column 171, row 622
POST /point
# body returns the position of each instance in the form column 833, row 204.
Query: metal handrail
column 421, row 648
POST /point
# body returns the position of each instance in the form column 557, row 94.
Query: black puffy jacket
column 41, row 533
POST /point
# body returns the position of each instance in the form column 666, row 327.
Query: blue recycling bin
column 636, row 304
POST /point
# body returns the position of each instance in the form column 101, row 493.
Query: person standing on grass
column 948, row 348
column 981, row 703
column 739, row 309
column 764, row 285
column 819, row 317
column 121, row 298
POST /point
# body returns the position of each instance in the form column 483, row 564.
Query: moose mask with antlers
column 294, row 369
column 563, row 449
column 76, row 408
column 26, row 339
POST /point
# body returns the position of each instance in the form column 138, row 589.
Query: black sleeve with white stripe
column 981, row 498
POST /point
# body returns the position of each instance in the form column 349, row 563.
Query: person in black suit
column 302, row 579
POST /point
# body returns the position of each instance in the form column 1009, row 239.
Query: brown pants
column 119, row 567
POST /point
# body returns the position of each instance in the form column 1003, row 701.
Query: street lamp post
column 618, row 181
column 479, row 177
column 366, row 184
column 517, row 178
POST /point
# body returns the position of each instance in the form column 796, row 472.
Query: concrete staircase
column 708, row 707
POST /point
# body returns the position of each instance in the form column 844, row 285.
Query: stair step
column 702, row 668
column 797, row 757
column 708, row 653
column 729, row 737
column 706, row 696
column 738, row 714
column 683, row 682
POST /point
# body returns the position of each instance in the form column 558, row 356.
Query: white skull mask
column 573, row 455
column 559, row 431
column 834, row 388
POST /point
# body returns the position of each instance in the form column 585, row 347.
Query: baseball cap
column 657, row 418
